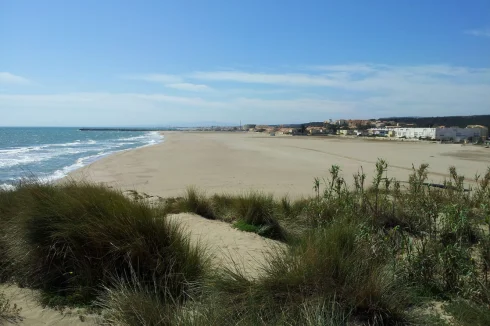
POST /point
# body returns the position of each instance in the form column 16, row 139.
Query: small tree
column 303, row 129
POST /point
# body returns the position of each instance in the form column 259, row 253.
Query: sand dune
column 35, row 315
column 229, row 247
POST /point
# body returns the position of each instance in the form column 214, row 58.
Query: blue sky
column 108, row 63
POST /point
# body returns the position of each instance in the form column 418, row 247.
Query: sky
column 163, row 63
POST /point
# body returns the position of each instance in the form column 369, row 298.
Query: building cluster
column 456, row 134
column 377, row 128
column 409, row 131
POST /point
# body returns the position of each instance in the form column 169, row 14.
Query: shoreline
column 239, row 162
column 63, row 172
column 162, row 139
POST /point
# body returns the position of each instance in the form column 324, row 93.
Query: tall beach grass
column 354, row 255
column 69, row 240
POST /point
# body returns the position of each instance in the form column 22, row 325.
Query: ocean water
column 51, row 153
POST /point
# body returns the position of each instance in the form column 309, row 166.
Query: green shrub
column 244, row 226
column 258, row 209
column 70, row 239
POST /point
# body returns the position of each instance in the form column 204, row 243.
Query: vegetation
column 467, row 314
column 197, row 203
column 337, row 267
column 374, row 255
column 9, row 313
column 460, row 121
column 251, row 212
column 132, row 303
column 244, row 226
column 69, row 240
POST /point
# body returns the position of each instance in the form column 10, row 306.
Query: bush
column 243, row 226
column 133, row 304
column 258, row 210
column 337, row 265
column 70, row 239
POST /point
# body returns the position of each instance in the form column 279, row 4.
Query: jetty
column 124, row 129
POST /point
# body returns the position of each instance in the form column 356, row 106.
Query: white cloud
column 355, row 91
column 296, row 105
column 170, row 81
column 264, row 78
column 157, row 109
column 113, row 101
column 189, row 87
column 157, row 78
column 366, row 78
column 8, row 78
column 484, row 32
column 352, row 68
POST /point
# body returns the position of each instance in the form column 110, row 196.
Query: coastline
column 100, row 157
column 283, row 165
column 47, row 160
column 236, row 163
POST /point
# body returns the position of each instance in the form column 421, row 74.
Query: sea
column 48, row 154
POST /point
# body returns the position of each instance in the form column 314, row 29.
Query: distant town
column 456, row 129
column 475, row 133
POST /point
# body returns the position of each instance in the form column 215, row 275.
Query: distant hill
column 298, row 125
column 449, row 121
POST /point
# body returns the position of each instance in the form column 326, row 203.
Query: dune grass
column 131, row 303
column 244, row 226
column 70, row 239
column 196, row 202
column 250, row 212
column 335, row 267
column 359, row 255
column 257, row 209
column 469, row 314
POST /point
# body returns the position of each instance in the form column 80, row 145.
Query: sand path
column 229, row 247
column 35, row 315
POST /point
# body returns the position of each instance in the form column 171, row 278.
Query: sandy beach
column 283, row 165
column 239, row 162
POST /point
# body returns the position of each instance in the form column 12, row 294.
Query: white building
column 454, row 134
column 379, row 131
